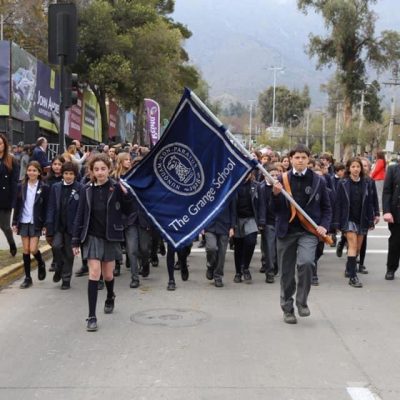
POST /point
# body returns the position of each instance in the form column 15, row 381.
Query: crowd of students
column 80, row 204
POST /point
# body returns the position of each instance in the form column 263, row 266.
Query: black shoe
column 84, row 270
column 202, row 244
column 57, row 276
column 26, row 283
column 163, row 252
column 154, row 261
column 218, row 282
column 134, row 283
column 42, row 271
column 53, row 267
column 314, row 280
column 185, row 273
column 247, row 275
column 304, row 311
column 237, row 278
column 289, row 318
column 355, row 282
column 146, row 270
column 91, row 324
column 389, row 275
column 65, row 285
column 177, row 266
column 362, row 269
column 13, row 249
column 339, row 249
column 270, row 278
column 117, row 269
column 100, row 285
column 109, row 305
column 262, row 269
column 210, row 273
column 171, row 285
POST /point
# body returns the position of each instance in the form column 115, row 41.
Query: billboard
column 91, row 119
column 35, row 91
column 4, row 77
column 73, row 119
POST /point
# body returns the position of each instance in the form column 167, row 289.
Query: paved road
column 205, row 343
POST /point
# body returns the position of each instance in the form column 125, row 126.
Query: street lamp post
column 275, row 69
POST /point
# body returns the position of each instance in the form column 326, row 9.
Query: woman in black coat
column 9, row 174
column 354, row 213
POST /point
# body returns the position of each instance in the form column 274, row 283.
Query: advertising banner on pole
column 4, row 77
column 152, row 110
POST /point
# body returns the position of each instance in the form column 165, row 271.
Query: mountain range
column 235, row 43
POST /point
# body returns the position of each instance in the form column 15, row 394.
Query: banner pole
column 243, row 149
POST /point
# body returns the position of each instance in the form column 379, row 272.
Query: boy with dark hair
column 63, row 205
column 296, row 241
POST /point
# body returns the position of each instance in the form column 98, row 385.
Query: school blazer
column 342, row 205
column 318, row 206
column 118, row 205
column 54, row 208
column 39, row 207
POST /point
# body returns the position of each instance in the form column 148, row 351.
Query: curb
column 16, row 270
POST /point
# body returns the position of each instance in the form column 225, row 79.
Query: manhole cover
column 170, row 317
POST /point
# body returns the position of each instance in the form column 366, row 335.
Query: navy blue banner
column 189, row 175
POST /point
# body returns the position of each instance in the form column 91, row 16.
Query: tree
column 351, row 45
column 25, row 23
column 287, row 105
column 130, row 50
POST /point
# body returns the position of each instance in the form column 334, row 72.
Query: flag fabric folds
column 190, row 174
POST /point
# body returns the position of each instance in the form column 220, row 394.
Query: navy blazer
column 318, row 206
column 342, row 206
column 254, row 199
column 266, row 215
column 117, row 204
column 391, row 192
column 54, row 208
column 39, row 208
column 225, row 220
column 8, row 185
column 40, row 156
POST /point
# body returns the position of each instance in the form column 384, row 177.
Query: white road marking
column 360, row 393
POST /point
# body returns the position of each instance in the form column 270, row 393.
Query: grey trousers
column 63, row 255
column 216, row 246
column 138, row 247
column 268, row 248
column 5, row 216
column 296, row 249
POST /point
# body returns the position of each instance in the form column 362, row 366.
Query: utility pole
column 1, row 27
column 251, row 121
column 336, row 147
column 275, row 69
column 307, row 127
column 394, row 82
column 323, row 131
column 361, row 122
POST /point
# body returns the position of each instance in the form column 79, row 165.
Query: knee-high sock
column 27, row 264
column 110, row 288
column 92, row 297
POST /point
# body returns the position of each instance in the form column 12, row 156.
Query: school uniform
column 183, row 254
column 268, row 233
column 295, row 245
column 246, row 228
column 99, row 221
column 217, row 238
column 30, row 217
column 30, row 209
column 63, row 203
column 8, row 198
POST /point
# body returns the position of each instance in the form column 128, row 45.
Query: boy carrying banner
column 296, row 239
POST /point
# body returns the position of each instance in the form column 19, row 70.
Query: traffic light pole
column 61, row 134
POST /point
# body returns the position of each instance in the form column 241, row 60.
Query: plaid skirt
column 95, row 248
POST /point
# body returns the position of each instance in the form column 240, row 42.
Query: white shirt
column 27, row 213
column 298, row 172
